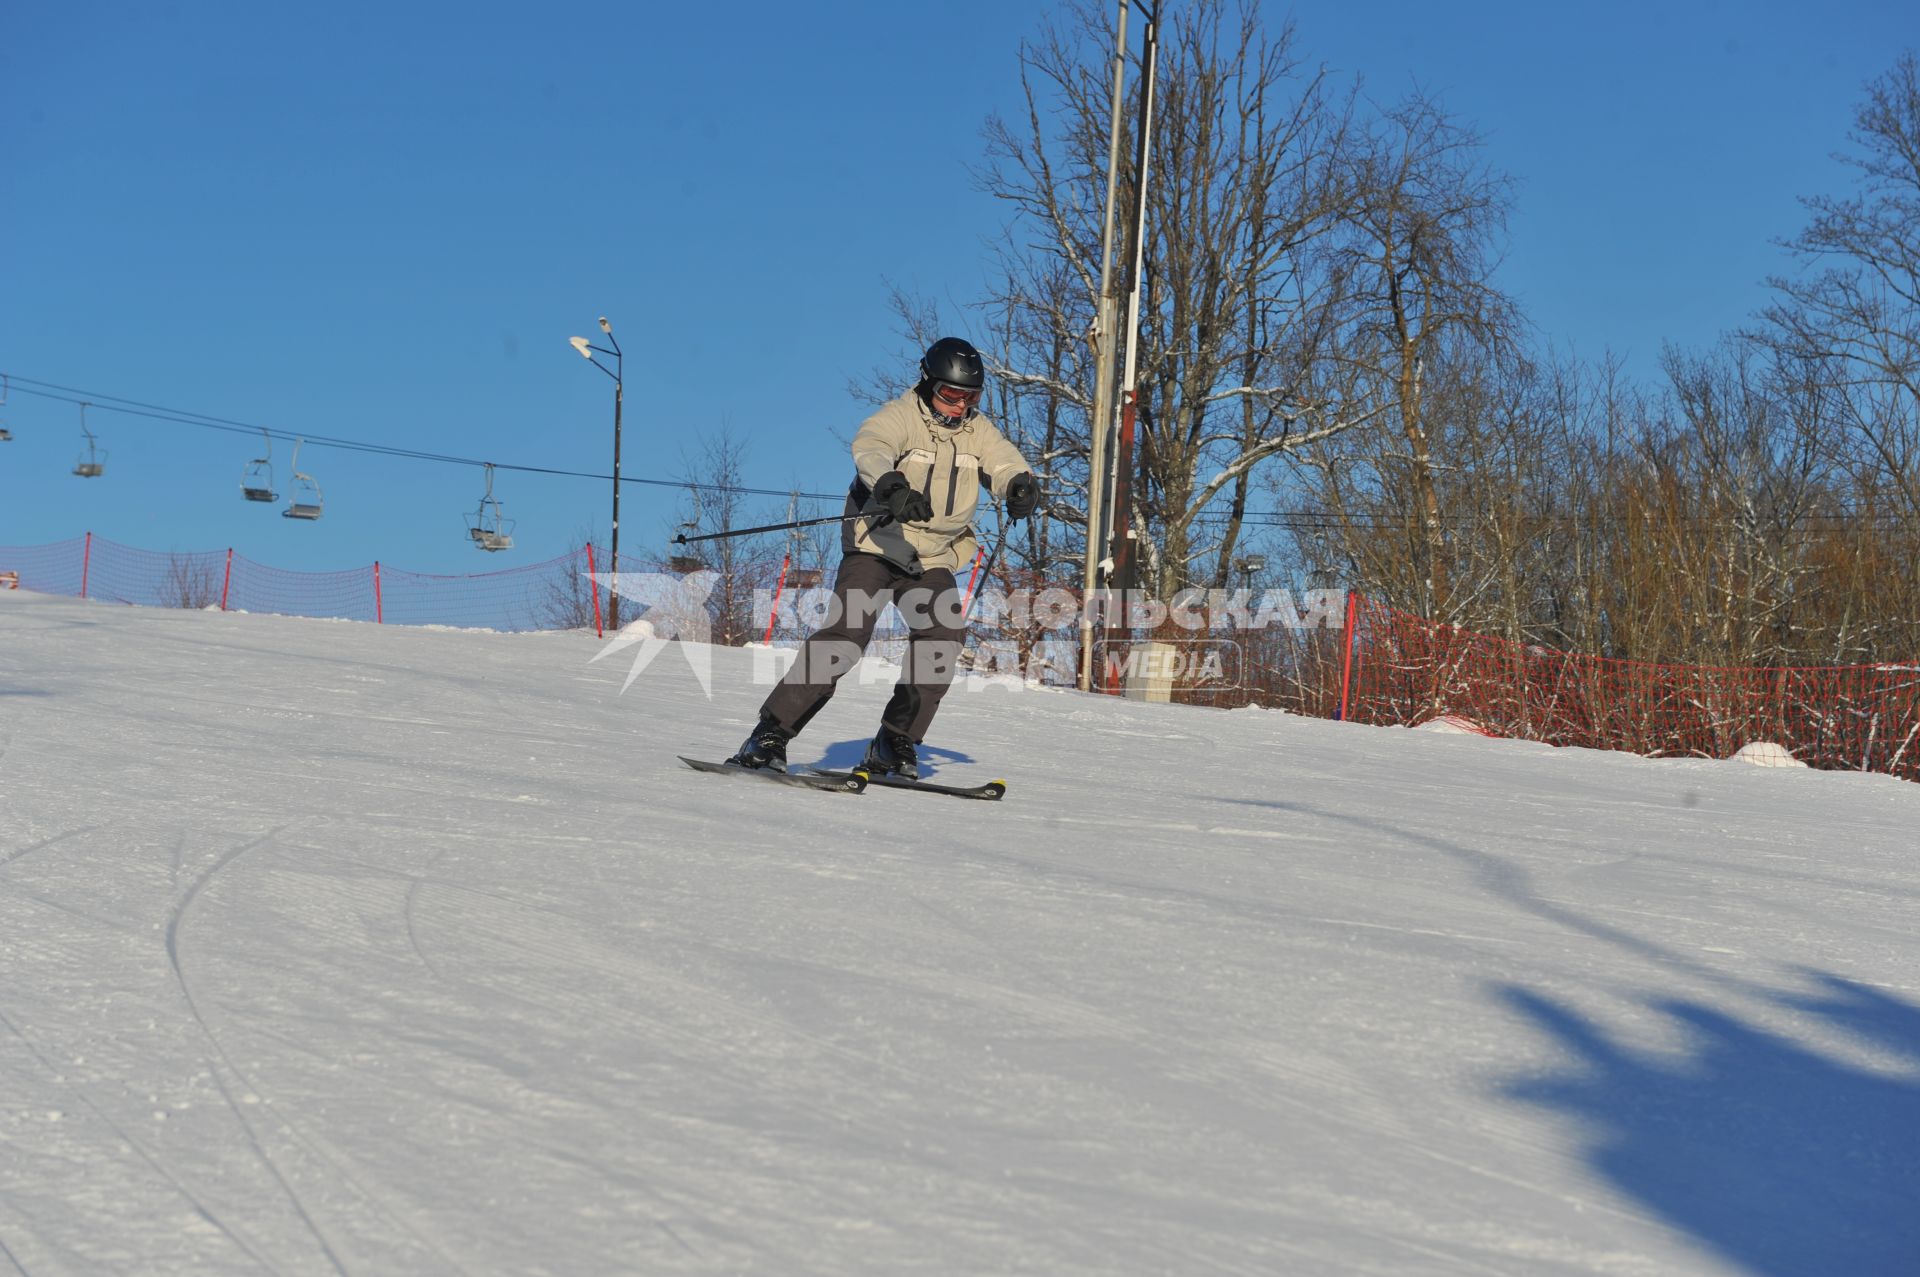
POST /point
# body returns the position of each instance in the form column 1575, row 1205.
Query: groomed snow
column 335, row 948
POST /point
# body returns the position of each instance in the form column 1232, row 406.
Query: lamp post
column 587, row 350
column 1247, row 567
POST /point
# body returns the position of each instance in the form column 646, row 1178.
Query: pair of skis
column 851, row 782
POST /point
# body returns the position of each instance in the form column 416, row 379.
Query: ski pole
column 878, row 520
column 999, row 539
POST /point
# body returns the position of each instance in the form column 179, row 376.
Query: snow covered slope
column 330, row 948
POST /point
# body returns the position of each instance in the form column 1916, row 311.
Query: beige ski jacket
column 949, row 464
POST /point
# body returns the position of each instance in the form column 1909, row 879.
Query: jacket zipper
column 953, row 473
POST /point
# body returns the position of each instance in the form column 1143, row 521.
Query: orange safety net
column 536, row 596
column 1407, row 670
column 1382, row 666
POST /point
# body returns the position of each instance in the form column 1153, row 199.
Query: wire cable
column 1288, row 520
column 185, row 417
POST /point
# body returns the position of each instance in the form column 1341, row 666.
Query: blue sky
column 382, row 222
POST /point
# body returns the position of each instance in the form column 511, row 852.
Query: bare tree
column 1240, row 298
column 1756, row 508
column 1853, row 317
column 568, row 603
column 742, row 564
column 192, row 581
column 1424, row 331
column 1847, row 330
column 1707, row 546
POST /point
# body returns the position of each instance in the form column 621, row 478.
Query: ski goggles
column 955, row 396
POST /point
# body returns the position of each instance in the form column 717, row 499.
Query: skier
column 920, row 463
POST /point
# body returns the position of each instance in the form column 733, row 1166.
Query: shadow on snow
column 843, row 755
column 1784, row 1160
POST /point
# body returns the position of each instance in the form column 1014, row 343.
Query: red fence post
column 594, row 577
column 773, row 613
column 379, row 617
column 1346, row 678
column 86, row 563
column 227, row 583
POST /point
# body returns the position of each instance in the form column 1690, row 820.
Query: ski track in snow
column 128, row 1140
column 174, row 922
column 235, row 1076
column 43, row 844
column 504, row 988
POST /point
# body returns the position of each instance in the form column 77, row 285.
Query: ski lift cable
column 185, row 417
column 1295, row 520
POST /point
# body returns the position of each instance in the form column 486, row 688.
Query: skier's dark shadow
column 1787, row 1160
column 844, row 754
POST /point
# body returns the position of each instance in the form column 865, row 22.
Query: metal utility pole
column 1103, row 378
column 1123, row 558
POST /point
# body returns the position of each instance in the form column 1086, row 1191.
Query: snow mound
column 1453, row 725
column 1766, row 753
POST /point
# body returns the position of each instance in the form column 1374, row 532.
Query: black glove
column 1023, row 494
column 908, row 503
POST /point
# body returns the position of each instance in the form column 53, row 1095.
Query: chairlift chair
column 305, row 502
column 488, row 528
column 6, row 435
column 93, row 463
column 687, row 560
column 256, row 479
column 799, row 578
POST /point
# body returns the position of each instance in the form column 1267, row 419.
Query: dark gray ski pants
column 864, row 586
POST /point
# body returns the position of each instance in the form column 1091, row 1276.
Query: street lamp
column 587, row 350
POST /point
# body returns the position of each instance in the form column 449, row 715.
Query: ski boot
column 766, row 748
column 892, row 753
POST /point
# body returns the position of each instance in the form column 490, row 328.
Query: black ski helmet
column 955, row 362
